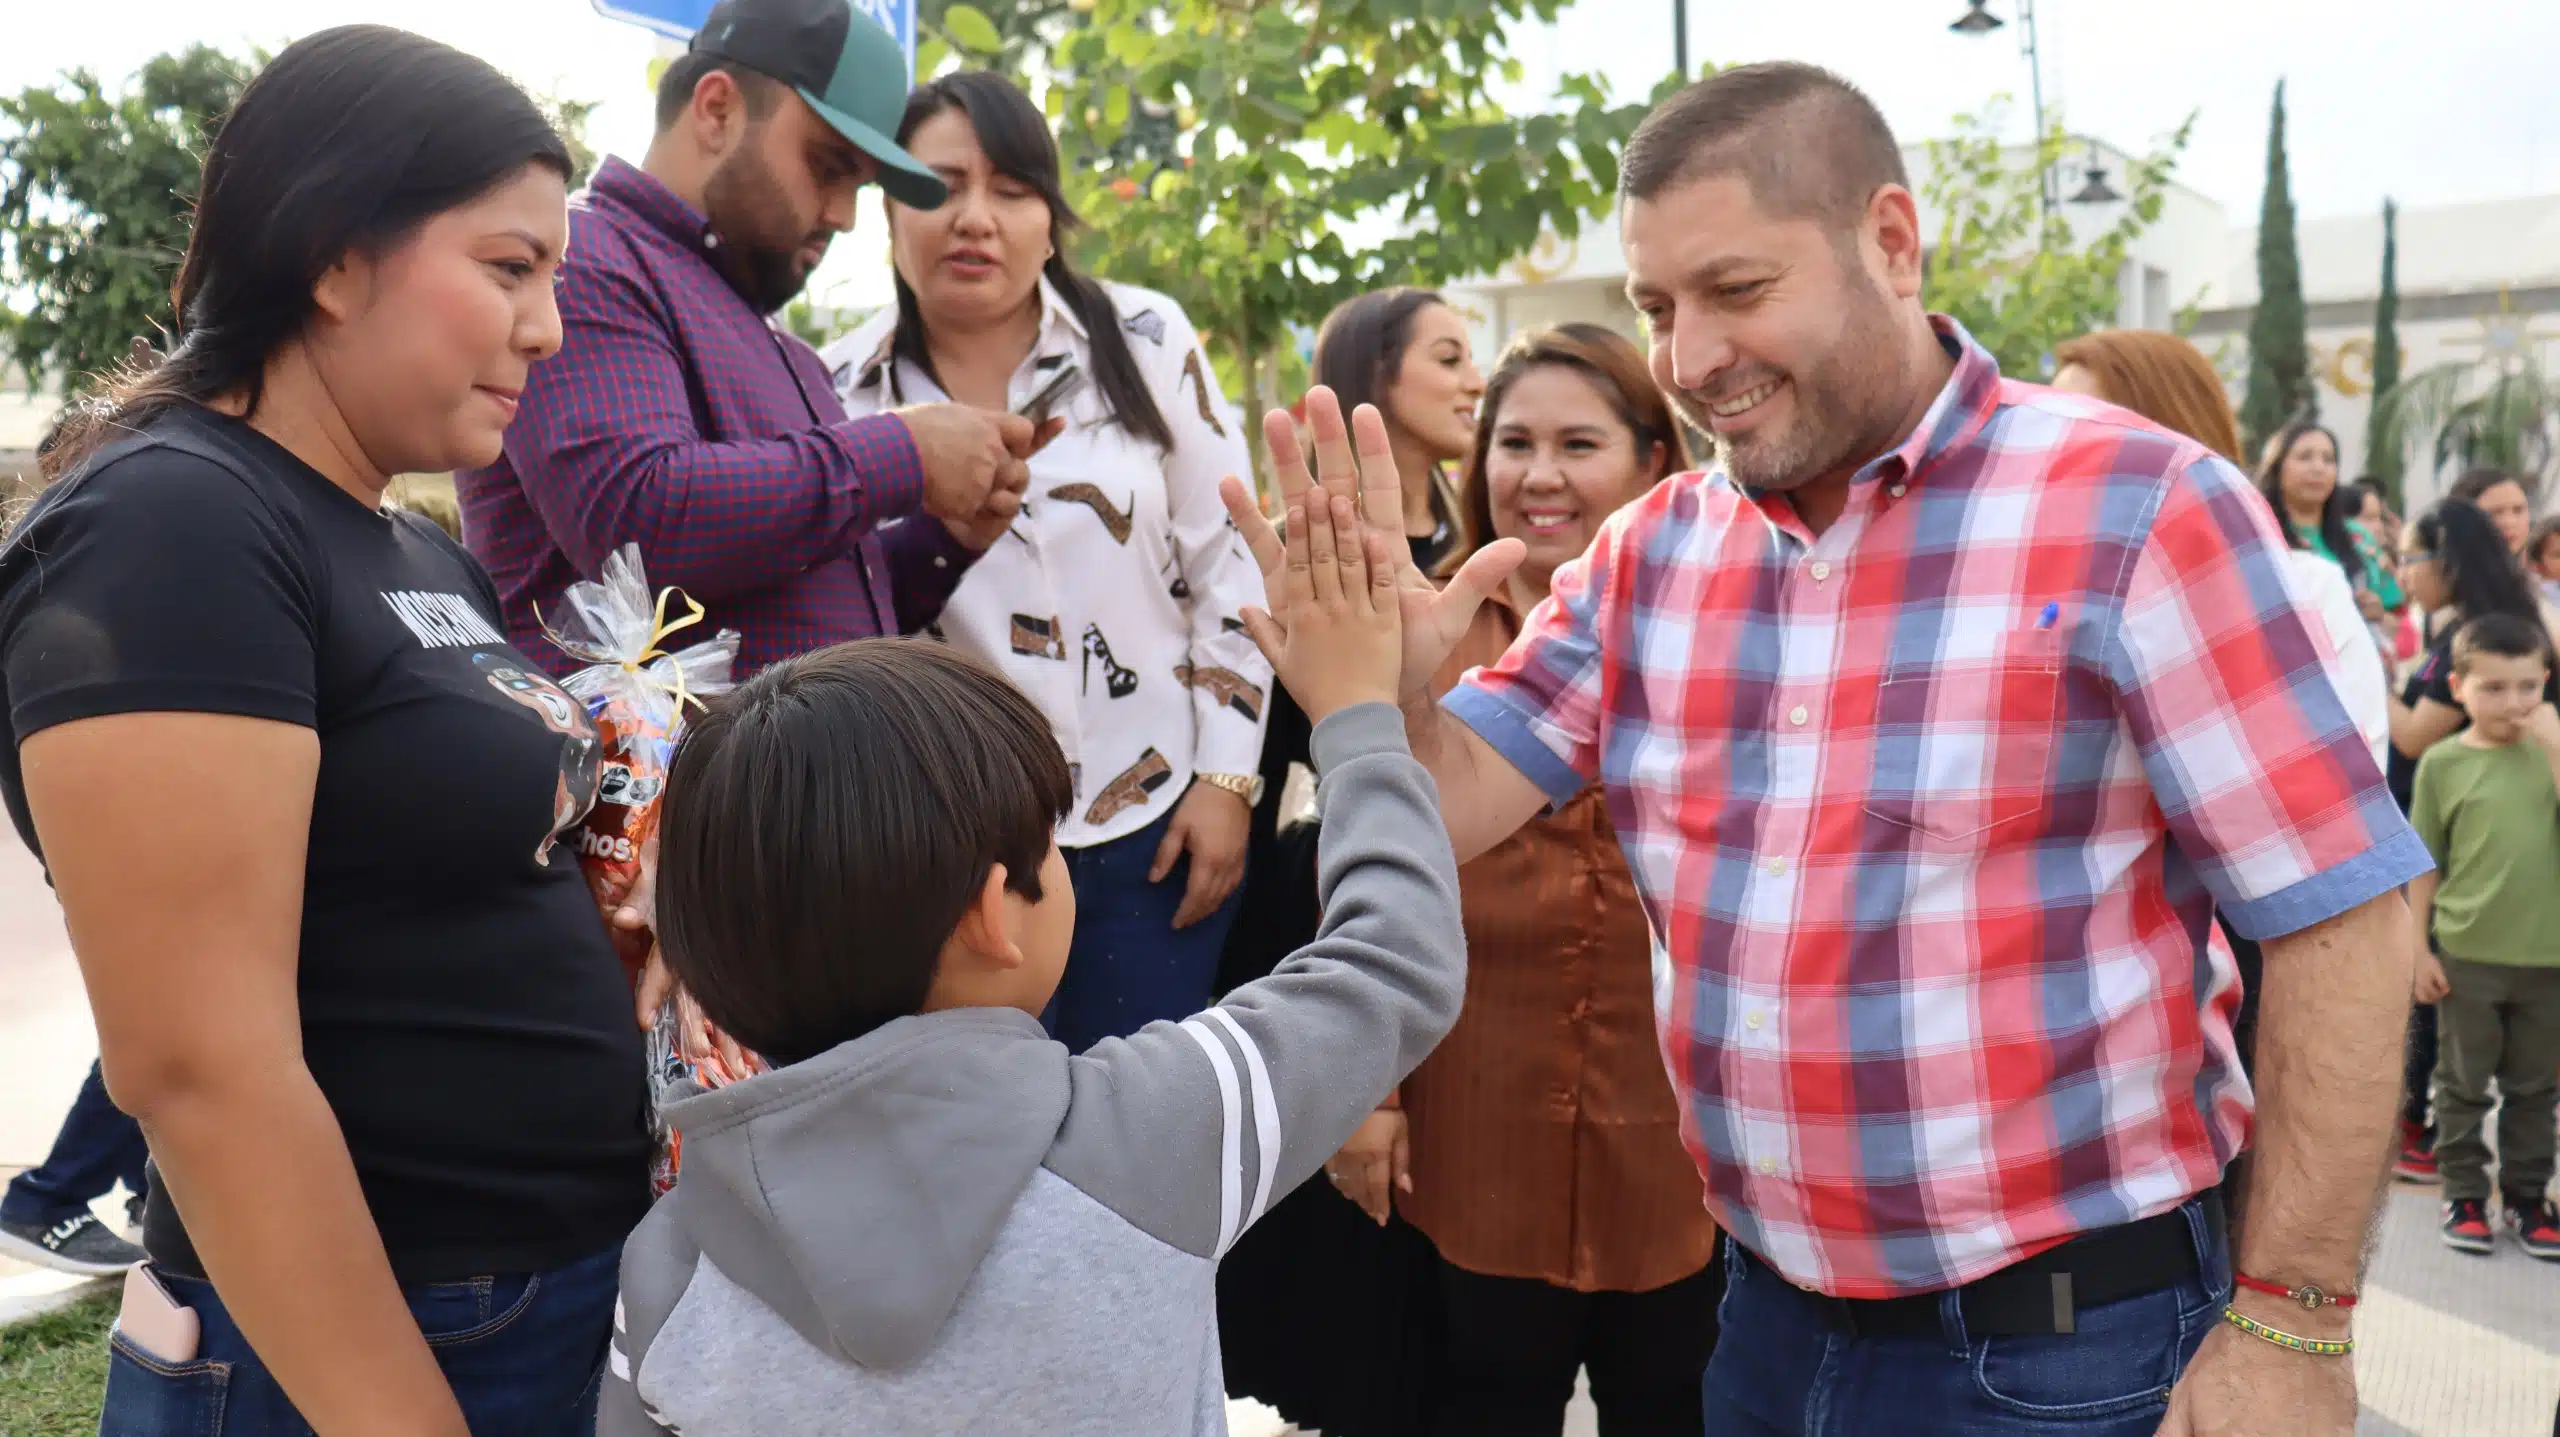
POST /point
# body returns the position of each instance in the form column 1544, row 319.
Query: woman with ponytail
column 1114, row 601
column 303, row 804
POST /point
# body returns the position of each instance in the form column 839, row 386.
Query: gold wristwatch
column 1247, row 786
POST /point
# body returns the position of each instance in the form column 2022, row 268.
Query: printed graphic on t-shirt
column 442, row 621
column 1121, row 681
column 1116, row 521
column 1231, row 688
column 1037, row 638
column 533, row 691
column 1130, row 789
column 1194, row 371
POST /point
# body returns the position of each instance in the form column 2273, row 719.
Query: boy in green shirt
column 2487, row 803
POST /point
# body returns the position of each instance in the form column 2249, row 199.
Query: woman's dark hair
column 1016, row 138
column 347, row 142
column 828, row 823
column 2478, row 569
column 1360, row 346
column 2478, row 481
column 1614, row 367
column 2333, row 515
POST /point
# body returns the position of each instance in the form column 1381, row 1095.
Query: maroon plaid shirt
column 676, row 418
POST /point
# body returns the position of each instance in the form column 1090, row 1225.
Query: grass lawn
column 53, row 1370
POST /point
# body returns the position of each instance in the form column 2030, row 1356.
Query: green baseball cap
column 843, row 63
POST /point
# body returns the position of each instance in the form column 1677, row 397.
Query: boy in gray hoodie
column 929, row 1218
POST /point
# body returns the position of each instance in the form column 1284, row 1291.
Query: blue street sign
column 678, row 19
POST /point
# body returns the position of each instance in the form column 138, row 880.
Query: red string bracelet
column 2308, row 1297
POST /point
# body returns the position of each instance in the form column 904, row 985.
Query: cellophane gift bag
column 637, row 692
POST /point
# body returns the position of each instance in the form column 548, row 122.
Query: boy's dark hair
column 2501, row 636
column 828, row 823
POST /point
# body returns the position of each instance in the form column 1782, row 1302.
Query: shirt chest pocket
column 1964, row 747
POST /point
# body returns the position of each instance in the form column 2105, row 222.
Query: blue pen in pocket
column 2052, row 614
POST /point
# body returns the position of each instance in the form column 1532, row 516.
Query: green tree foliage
column 2279, row 387
column 2015, row 274
column 1316, row 151
column 94, row 193
column 2499, row 411
column 570, row 117
column 2383, row 454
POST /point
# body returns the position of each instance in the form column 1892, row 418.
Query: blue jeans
column 1785, row 1367
column 524, row 1352
column 1129, row 965
column 96, row 1147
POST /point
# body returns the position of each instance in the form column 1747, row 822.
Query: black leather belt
column 2040, row 1296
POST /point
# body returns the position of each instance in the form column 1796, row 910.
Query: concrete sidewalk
column 2448, row 1345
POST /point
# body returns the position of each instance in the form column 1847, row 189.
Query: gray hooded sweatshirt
column 949, row 1225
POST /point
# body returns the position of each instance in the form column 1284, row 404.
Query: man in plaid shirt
column 1937, row 726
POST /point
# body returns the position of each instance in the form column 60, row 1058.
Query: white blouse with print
column 1114, row 600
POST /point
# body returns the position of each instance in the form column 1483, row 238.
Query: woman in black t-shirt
column 303, row 804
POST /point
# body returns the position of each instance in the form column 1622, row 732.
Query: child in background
column 929, row 1217
column 2542, row 559
column 2487, row 802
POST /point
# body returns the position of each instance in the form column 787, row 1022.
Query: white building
column 2474, row 279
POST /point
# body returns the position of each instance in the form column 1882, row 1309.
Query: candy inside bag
column 637, row 693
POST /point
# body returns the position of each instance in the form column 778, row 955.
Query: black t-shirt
column 462, row 1009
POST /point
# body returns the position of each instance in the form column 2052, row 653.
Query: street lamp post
column 1978, row 20
column 1680, row 38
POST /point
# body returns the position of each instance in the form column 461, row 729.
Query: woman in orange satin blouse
column 1539, row 1147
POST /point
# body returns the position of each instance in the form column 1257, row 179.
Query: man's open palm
column 1435, row 618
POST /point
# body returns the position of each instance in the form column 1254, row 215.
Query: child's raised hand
column 1337, row 638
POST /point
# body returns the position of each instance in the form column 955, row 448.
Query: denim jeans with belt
column 524, row 1353
column 1787, row 1365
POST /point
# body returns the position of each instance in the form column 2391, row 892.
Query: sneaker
column 2466, row 1226
column 2417, row 1160
column 2537, row 1228
column 80, row 1245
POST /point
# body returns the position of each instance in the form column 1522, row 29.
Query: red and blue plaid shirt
column 675, row 417
column 1931, row 813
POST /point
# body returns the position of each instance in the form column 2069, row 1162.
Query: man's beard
column 760, row 235
column 1842, row 401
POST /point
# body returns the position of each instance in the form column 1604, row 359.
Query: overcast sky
column 2432, row 101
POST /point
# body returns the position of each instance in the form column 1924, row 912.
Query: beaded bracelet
column 2313, row 1346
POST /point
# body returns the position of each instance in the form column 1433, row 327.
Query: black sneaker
column 2466, row 1226
column 80, row 1245
column 2537, row 1228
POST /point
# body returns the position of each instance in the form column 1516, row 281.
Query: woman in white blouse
column 1114, row 599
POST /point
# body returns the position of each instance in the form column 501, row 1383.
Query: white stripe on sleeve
column 1230, row 1139
column 1266, row 1113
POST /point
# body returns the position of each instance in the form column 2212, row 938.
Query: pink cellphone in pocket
column 166, row 1329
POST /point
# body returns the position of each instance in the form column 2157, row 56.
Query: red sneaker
column 2466, row 1226
column 2417, row 1160
column 2537, row 1228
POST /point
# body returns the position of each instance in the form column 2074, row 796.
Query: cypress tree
column 2279, row 351
column 2382, row 457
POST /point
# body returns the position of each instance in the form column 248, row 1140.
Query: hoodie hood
column 856, row 1192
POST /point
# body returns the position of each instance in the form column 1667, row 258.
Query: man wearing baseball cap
column 677, row 416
